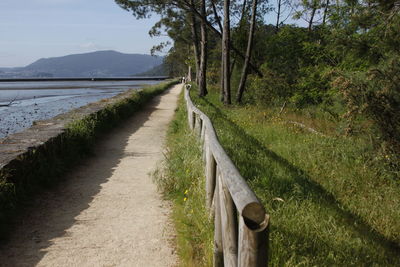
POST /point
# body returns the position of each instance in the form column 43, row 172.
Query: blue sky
column 32, row 29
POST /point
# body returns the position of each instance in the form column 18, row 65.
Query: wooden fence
column 240, row 220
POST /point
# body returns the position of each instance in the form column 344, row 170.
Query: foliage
column 342, row 71
column 376, row 95
column 270, row 90
column 347, row 67
column 368, row 78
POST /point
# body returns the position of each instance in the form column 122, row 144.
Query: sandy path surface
column 107, row 212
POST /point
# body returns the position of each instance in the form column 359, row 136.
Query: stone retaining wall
column 38, row 156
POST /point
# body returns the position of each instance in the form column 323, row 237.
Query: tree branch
column 186, row 6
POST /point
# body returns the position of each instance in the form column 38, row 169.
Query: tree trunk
column 241, row 25
column 314, row 9
column 217, row 19
column 191, row 8
column 245, row 69
column 195, row 38
column 216, row 15
column 189, row 75
column 203, row 51
column 226, row 53
column 278, row 15
column 244, row 6
column 233, row 63
column 325, row 12
column 222, row 97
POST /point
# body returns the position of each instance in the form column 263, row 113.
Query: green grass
column 181, row 180
column 43, row 167
column 337, row 209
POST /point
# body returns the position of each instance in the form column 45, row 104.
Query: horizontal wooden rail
column 240, row 220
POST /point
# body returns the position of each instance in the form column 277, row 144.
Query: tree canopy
column 345, row 61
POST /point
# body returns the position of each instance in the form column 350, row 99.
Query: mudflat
column 22, row 103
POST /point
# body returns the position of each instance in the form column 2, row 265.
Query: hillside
column 94, row 64
column 160, row 70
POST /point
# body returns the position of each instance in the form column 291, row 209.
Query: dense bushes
column 375, row 94
column 346, row 70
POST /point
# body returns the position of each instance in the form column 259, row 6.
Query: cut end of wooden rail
column 254, row 216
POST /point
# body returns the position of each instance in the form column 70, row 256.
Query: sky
column 34, row 29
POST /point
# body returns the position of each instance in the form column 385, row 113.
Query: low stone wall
column 18, row 144
column 38, row 156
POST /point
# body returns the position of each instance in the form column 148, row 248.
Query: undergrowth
column 43, row 166
column 180, row 178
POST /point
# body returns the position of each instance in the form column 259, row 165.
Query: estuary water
column 22, row 103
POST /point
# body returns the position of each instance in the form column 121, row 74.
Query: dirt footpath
column 107, row 212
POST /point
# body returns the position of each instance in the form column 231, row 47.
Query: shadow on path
column 54, row 211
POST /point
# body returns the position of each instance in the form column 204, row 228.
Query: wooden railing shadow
column 240, row 220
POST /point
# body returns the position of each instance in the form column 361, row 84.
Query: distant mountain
column 94, row 64
column 160, row 70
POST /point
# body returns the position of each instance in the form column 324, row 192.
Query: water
column 33, row 101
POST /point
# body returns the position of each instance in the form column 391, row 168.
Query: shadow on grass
column 247, row 153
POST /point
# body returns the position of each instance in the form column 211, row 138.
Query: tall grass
column 328, row 206
column 181, row 180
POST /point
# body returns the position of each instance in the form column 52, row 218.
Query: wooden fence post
column 205, row 146
column 229, row 225
column 210, row 176
column 203, row 131
column 218, row 246
column 253, row 244
column 198, row 125
column 189, row 113
column 193, row 118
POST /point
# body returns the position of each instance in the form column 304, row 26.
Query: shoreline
column 33, row 101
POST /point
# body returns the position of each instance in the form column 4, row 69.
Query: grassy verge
column 328, row 206
column 43, row 166
column 181, row 180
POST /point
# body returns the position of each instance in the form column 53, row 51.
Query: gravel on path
column 107, row 212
